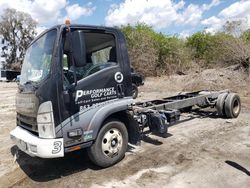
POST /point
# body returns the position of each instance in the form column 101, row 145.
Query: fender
column 90, row 121
column 107, row 110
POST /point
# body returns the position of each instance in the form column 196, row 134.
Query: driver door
column 100, row 78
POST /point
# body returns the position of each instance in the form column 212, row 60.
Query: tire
column 232, row 105
column 110, row 145
column 220, row 104
column 134, row 91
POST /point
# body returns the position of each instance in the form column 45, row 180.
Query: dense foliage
column 155, row 54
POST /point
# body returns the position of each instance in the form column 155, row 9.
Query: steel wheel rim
column 236, row 107
column 112, row 142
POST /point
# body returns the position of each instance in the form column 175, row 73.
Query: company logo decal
column 94, row 97
column 118, row 77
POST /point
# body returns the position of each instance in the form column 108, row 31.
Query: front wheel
column 110, row 145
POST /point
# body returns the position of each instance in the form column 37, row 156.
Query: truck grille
column 28, row 123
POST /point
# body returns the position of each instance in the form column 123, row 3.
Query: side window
column 101, row 56
column 100, row 52
column 67, row 79
column 65, row 62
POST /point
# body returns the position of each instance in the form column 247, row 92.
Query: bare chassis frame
column 183, row 100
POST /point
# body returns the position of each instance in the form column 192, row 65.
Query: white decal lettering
column 79, row 93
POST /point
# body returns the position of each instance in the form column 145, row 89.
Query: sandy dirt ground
column 202, row 150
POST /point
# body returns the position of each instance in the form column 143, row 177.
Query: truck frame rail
column 183, row 100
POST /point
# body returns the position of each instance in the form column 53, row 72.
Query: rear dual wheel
column 228, row 105
column 220, row 104
column 232, row 105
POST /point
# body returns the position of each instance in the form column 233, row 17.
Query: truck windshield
column 38, row 58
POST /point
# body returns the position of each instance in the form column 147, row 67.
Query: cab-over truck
column 75, row 92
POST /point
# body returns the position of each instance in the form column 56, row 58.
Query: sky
column 172, row 17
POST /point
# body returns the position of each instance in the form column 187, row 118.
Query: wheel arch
column 91, row 120
column 132, row 126
column 118, row 110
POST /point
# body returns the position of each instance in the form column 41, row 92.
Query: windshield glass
column 38, row 57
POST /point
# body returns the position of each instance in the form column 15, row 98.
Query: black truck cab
column 73, row 78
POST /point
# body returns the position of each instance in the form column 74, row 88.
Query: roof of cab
column 86, row 27
column 80, row 26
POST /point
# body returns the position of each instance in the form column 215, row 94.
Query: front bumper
column 35, row 146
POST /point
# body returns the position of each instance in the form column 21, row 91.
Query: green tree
column 200, row 44
column 18, row 30
column 153, row 53
column 141, row 48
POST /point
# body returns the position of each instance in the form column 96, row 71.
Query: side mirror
column 78, row 48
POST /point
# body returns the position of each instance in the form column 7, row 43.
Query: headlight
column 45, row 120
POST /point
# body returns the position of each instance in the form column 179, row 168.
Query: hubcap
column 112, row 142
